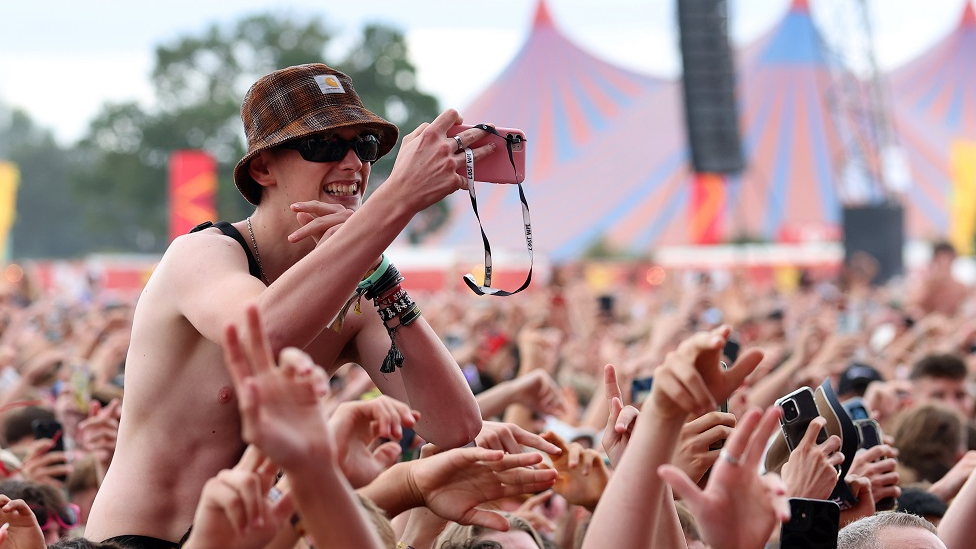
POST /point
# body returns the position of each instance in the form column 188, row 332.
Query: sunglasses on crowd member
column 68, row 517
column 333, row 149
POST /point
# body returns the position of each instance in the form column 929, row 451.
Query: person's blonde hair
column 381, row 523
column 456, row 533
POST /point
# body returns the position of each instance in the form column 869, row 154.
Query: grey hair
column 863, row 533
column 459, row 533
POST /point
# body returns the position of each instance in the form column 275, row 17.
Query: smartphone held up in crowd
column 497, row 167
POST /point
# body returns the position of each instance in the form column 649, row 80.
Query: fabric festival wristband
column 486, row 288
column 376, row 275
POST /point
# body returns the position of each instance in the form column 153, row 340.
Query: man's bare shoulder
column 202, row 253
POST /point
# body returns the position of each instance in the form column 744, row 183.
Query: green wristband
column 379, row 272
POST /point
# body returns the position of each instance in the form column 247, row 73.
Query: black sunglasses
column 333, row 149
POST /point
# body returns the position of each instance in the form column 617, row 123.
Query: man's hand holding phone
column 697, row 450
column 811, row 471
column 45, row 465
column 497, row 167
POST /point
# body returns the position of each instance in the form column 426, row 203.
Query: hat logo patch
column 328, row 83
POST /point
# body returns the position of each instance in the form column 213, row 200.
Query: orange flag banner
column 192, row 190
column 9, row 181
column 706, row 208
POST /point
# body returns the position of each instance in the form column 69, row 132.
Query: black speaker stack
column 708, row 83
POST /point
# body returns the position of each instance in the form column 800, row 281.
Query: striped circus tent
column 934, row 107
column 608, row 160
column 596, row 150
column 788, row 133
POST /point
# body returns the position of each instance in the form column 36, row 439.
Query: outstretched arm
column 430, row 381
column 281, row 414
column 957, row 528
column 690, row 381
column 453, row 483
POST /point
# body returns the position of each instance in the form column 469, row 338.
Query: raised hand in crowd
column 530, row 511
column 582, row 474
column 832, row 358
column 738, row 508
column 108, row 356
column 510, row 438
column 885, row 399
column 20, row 529
column 957, row 527
column 362, row 425
column 98, row 433
column 282, row 415
column 879, row 464
column 536, row 390
column 811, row 470
column 453, row 483
column 949, row 485
column 698, row 446
column 538, row 349
column 234, row 508
column 861, row 489
column 43, row 466
column 620, row 423
column 691, row 381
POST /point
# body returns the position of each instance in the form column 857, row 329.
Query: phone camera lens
column 790, row 411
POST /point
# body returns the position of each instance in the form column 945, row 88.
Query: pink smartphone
column 497, row 167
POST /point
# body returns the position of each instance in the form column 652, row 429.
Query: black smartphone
column 869, row 431
column 731, row 350
column 871, row 435
column 722, row 407
column 813, row 524
column 856, row 409
column 50, row 429
column 639, row 389
column 606, row 304
column 799, row 409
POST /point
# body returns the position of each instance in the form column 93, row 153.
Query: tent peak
column 800, row 6
column 968, row 16
column 542, row 15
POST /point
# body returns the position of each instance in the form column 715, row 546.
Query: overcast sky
column 61, row 59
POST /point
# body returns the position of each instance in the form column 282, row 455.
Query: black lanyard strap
column 486, row 289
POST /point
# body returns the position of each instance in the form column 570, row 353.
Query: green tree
column 46, row 209
column 199, row 82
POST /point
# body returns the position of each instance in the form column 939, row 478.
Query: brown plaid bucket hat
column 296, row 102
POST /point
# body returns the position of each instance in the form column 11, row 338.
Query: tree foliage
column 45, row 206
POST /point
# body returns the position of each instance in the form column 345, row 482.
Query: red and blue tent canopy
column 595, row 154
column 934, row 107
column 607, row 154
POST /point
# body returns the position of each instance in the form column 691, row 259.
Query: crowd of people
column 275, row 385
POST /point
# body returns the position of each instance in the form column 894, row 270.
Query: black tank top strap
column 231, row 231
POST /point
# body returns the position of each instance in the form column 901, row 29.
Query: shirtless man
column 308, row 251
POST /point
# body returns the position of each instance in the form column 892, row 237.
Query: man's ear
column 260, row 168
